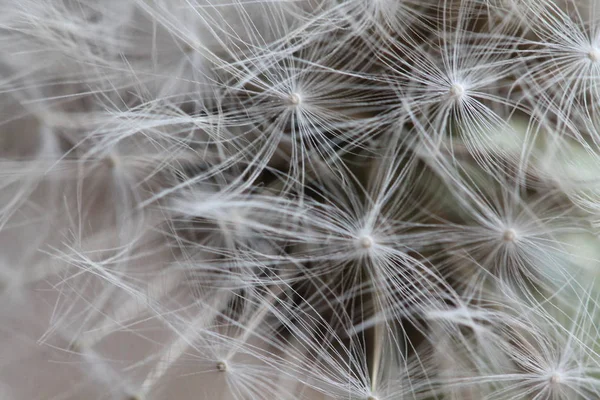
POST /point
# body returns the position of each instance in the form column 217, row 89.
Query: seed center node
column 365, row 242
column 295, row 99
column 221, row 366
column 457, row 90
column 510, row 235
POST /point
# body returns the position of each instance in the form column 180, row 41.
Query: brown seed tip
column 221, row 366
column 111, row 161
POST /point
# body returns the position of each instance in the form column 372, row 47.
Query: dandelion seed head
column 555, row 378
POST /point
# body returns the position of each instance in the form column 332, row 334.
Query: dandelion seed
column 448, row 87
